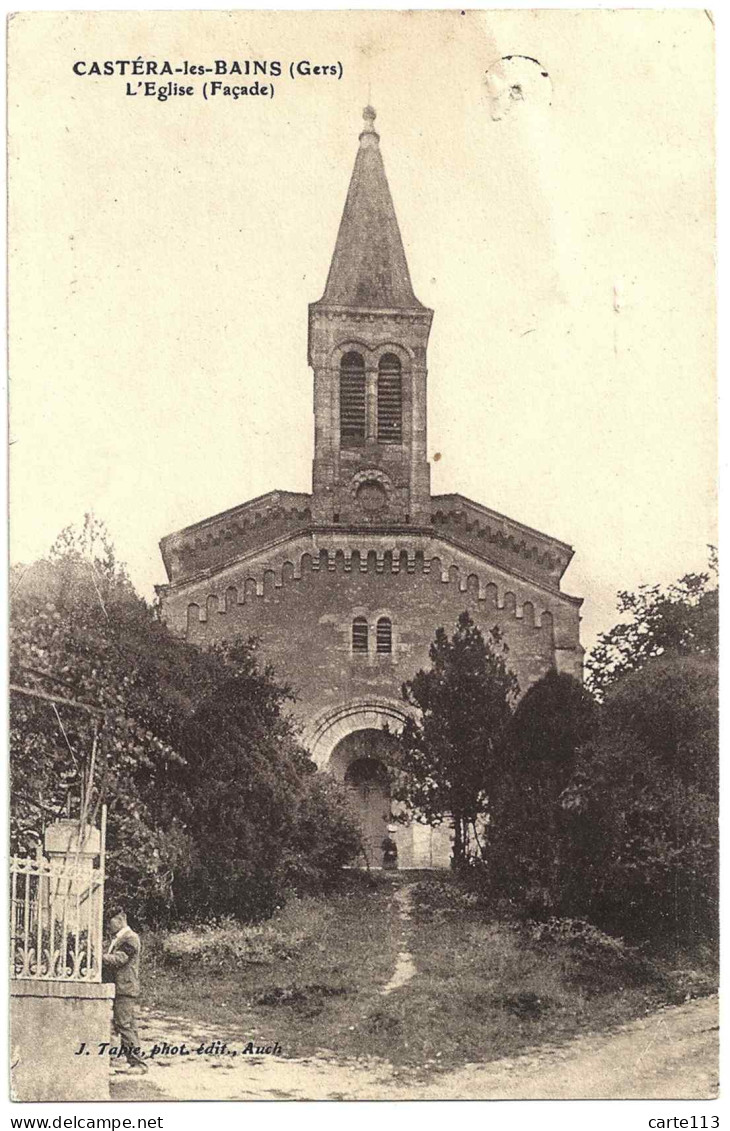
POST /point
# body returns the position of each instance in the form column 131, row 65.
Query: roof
column 369, row 267
column 211, row 542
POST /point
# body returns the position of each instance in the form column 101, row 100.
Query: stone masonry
column 346, row 587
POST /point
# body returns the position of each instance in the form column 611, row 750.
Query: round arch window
column 384, row 636
column 371, row 497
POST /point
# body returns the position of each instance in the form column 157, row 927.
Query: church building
column 346, row 586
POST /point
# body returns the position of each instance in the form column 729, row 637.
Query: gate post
column 58, row 1002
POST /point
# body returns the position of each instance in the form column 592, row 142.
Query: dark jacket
column 122, row 962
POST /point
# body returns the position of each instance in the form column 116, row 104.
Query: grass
column 484, row 987
column 307, row 997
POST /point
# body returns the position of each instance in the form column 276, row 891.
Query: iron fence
column 56, row 917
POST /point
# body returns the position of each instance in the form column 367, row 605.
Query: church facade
column 346, row 586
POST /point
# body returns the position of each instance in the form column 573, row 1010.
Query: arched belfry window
column 360, row 634
column 390, row 398
column 384, row 635
column 352, row 398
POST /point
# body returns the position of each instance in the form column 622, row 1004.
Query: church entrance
column 367, row 779
column 359, row 760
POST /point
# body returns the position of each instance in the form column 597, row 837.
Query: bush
column 613, row 819
column 591, row 957
column 460, row 895
column 527, row 829
column 578, row 934
column 671, row 706
column 227, row 946
column 642, row 846
column 325, row 835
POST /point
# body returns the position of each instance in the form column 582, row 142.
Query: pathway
column 671, row 1054
column 405, row 966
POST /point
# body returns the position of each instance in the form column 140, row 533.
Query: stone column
column 371, row 404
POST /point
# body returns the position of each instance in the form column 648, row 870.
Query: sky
column 162, row 256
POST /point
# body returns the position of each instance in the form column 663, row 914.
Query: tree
column 117, row 682
column 642, row 805
column 643, row 845
column 671, row 706
column 448, row 754
column 527, row 850
column 551, row 721
column 260, row 817
column 682, row 618
column 118, row 705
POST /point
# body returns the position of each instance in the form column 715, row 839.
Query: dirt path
column 405, row 967
column 670, row 1055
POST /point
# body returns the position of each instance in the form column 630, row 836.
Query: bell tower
column 367, row 346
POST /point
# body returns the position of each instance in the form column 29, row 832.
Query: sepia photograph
column 363, row 580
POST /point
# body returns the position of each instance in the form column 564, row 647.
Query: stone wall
column 303, row 616
column 48, row 1022
column 299, row 596
column 508, row 543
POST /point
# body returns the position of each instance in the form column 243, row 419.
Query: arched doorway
column 326, row 729
column 360, row 761
column 338, row 737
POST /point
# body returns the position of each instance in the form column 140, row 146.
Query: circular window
column 371, row 496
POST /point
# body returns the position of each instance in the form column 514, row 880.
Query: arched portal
column 362, row 731
column 327, row 729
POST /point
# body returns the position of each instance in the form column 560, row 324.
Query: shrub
column 671, row 706
column 213, row 806
column 527, row 828
column 642, row 846
column 263, row 821
column 227, row 946
column 579, row 934
column 592, row 957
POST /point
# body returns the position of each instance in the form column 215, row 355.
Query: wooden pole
column 56, row 699
column 102, row 873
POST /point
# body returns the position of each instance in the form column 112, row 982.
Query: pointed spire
column 369, row 268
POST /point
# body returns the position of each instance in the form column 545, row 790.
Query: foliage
column 553, row 718
column 227, row 945
column 260, row 818
column 671, row 706
column 325, row 835
column 79, row 632
column 682, row 619
column 644, row 844
column 577, row 933
column 448, row 760
column 642, row 806
column 527, row 833
column 608, row 812
column 192, row 751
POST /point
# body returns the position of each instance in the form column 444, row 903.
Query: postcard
column 363, row 583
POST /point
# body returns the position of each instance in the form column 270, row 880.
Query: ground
column 406, row 991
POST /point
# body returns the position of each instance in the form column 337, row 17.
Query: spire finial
column 369, row 136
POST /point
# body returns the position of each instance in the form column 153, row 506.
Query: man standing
column 121, row 961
